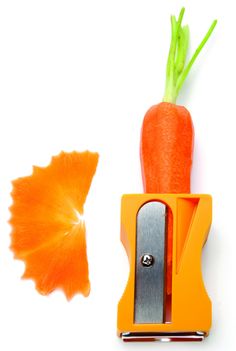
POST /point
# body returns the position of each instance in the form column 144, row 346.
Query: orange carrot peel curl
column 167, row 135
column 48, row 231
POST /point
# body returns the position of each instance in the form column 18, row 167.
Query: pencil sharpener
column 165, row 298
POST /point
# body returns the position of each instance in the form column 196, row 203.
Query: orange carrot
column 167, row 134
column 48, row 230
column 166, row 149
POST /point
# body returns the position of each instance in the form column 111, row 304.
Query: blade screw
column 147, row 260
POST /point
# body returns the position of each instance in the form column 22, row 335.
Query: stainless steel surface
column 164, row 337
column 149, row 281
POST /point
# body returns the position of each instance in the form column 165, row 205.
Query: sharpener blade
column 150, row 263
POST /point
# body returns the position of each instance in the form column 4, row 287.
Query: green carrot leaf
column 176, row 69
column 183, row 76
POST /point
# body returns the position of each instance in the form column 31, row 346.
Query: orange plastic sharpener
column 165, row 298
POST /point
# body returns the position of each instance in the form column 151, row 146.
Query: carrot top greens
column 177, row 69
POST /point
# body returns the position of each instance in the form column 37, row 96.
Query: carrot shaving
column 48, row 230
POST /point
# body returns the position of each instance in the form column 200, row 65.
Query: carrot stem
column 170, row 69
column 183, row 44
column 176, row 69
column 183, row 76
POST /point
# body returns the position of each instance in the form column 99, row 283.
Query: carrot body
column 166, row 158
column 166, row 149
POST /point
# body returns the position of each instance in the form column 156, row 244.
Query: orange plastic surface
column 190, row 304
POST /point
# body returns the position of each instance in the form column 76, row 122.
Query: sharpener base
column 163, row 337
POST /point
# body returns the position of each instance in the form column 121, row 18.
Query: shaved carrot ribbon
column 48, row 230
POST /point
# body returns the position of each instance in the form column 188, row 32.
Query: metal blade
column 150, row 263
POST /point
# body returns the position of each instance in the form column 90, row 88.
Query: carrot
column 166, row 149
column 167, row 136
column 48, row 230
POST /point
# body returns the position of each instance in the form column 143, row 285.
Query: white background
column 77, row 75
